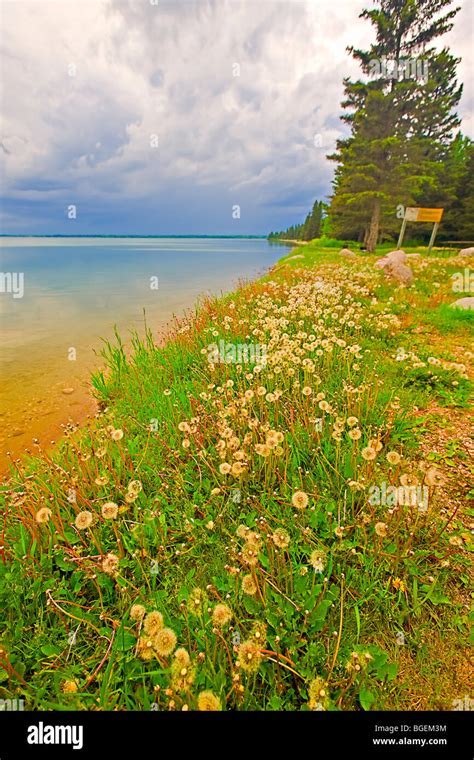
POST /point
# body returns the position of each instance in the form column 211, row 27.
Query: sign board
column 423, row 214
column 413, row 214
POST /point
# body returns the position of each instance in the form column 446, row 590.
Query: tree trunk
column 373, row 234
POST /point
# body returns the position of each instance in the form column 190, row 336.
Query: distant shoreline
column 142, row 237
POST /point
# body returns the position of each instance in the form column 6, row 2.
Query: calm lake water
column 75, row 291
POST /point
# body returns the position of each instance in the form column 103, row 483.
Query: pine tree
column 400, row 127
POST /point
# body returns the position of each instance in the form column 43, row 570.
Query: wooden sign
column 423, row 214
column 413, row 214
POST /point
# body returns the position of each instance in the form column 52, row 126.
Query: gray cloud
column 122, row 106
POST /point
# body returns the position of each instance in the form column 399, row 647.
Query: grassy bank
column 227, row 535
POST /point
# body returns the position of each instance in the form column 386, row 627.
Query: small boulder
column 399, row 272
column 347, row 253
column 466, row 252
column 393, row 257
column 464, row 303
column 395, row 268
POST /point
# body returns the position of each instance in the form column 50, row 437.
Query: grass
column 303, row 546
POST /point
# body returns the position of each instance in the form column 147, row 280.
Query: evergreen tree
column 401, row 126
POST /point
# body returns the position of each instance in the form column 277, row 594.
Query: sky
column 178, row 116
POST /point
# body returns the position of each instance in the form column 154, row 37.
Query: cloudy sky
column 161, row 116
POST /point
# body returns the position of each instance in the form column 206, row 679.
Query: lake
column 60, row 296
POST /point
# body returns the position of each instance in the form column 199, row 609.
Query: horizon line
column 59, row 235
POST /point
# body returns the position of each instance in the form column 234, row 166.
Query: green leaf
column 366, row 698
column 50, row 650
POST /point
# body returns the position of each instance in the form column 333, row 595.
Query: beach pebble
column 68, row 391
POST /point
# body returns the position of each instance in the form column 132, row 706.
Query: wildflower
column 130, row 497
column 210, row 525
column 352, row 421
column 69, row 687
column 381, row 529
column 408, row 479
column 434, row 477
column 225, row 468
column 354, row 434
column 242, row 531
column 318, row 560
column 145, row 649
column 318, row 696
column 375, row 444
column 307, row 390
column 196, row 601
column 101, row 452
column 455, row 541
column 281, row 538
column 101, row 480
column 43, row 515
column 398, row 584
column 248, row 585
column 182, row 657
column 116, row 435
column 137, row 611
column 153, row 623
column 182, row 676
column 110, row 564
column 184, row 427
column 222, row 615
column 208, row 702
column 259, row 632
column 250, row 554
column 368, row 453
column 249, row 655
column 237, row 469
column 393, row 457
column 253, row 539
column 164, row 642
column 84, row 520
column 109, row 510
column 339, row 531
column 167, row 392
column 300, row 500
column 324, row 406
column 135, row 487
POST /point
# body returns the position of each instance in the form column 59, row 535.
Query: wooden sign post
column 421, row 215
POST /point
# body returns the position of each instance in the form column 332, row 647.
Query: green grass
column 227, row 557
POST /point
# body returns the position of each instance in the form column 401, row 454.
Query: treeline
column 404, row 147
column 311, row 227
